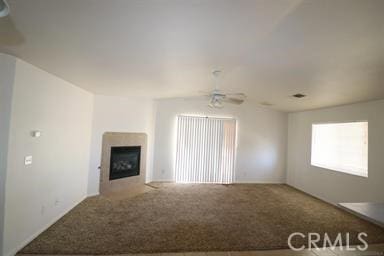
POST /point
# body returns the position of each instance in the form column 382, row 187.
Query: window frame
column 335, row 169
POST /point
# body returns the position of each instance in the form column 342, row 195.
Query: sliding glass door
column 205, row 150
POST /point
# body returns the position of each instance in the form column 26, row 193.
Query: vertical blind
column 205, row 151
column 341, row 147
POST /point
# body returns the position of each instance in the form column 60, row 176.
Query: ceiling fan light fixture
column 215, row 103
column 4, row 8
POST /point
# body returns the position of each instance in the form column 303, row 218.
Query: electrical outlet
column 57, row 202
column 28, row 160
column 42, row 210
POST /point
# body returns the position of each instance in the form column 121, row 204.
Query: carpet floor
column 185, row 218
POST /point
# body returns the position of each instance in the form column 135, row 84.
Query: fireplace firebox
column 125, row 162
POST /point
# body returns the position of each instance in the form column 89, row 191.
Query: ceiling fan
column 217, row 97
column 4, row 8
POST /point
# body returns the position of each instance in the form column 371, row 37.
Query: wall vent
column 299, row 95
column 266, row 103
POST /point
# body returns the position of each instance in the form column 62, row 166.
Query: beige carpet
column 181, row 218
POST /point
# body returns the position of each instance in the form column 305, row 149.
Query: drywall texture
column 330, row 185
column 38, row 194
column 261, row 139
column 114, row 114
column 7, row 72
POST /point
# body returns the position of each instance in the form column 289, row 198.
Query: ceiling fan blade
column 202, row 96
column 233, row 100
column 204, row 92
column 241, row 95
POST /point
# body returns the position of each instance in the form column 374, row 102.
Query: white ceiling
column 332, row 50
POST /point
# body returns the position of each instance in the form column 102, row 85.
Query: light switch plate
column 28, row 160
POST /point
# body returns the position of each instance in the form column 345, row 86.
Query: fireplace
column 125, row 162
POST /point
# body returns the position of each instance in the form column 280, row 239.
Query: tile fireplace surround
column 116, row 139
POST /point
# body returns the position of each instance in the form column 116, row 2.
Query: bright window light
column 205, row 150
column 341, row 147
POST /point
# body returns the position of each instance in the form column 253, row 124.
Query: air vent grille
column 299, row 95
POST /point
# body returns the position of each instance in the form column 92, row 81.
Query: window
column 205, row 150
column 341, row 147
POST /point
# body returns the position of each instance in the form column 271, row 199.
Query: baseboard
column 36, row 234
column 163, row 181
column 235, row 182
column 93, row 194
column 312, row 195
column 259, row 182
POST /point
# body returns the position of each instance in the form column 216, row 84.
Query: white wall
column 114, row 114
column 38, row 194
column 7, row 72
column 261, row 143
column 329, row 185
